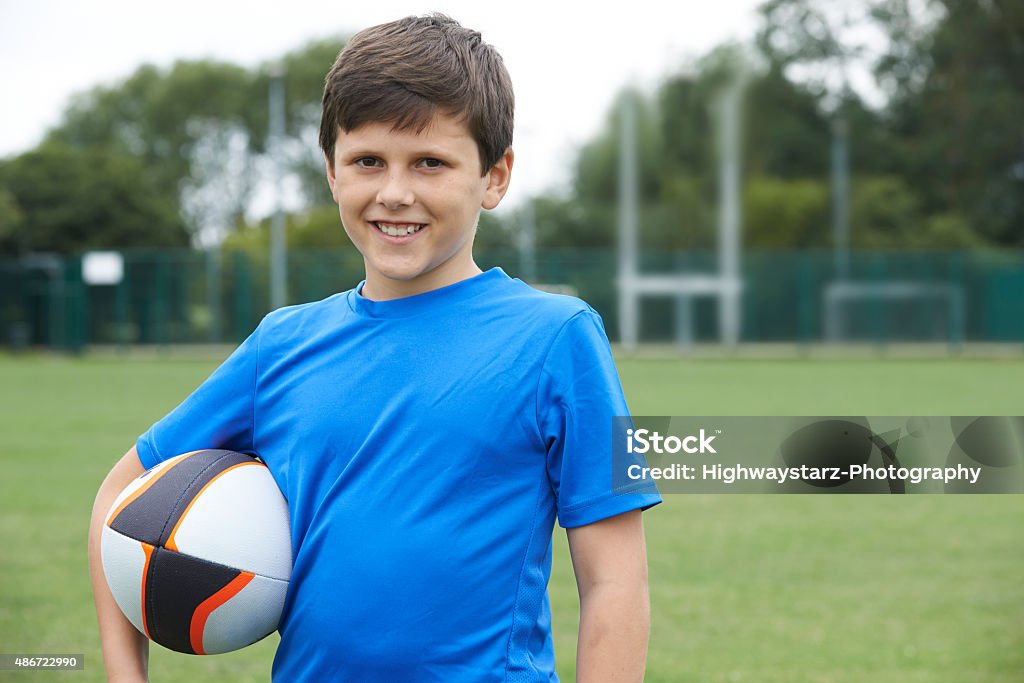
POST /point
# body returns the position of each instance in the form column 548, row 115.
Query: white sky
column 567, row 59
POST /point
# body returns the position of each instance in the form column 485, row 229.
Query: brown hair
column 405, row 71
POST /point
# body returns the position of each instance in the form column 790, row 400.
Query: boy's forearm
column 609, row 558
column 125, row 650
column 614, row 631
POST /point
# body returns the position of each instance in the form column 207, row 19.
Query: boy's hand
column 610, row 561
column 125, row 650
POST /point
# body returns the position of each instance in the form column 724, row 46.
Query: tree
column 200, row 130
column 188, row 126
column 12, row 221
column 957, row 124
column 71, row 199
column 785, row 156
column 305, row 69
column 948, row 127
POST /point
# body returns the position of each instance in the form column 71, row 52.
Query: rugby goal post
column 726, row 285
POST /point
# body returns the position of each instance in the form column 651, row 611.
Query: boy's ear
column 331, row 179
column 498, row 179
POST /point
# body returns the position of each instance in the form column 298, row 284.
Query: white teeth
column 398, row 231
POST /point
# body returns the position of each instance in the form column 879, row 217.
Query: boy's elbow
column 628, row 592
column 124, row 471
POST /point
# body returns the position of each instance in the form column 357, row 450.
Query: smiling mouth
column 398, row 229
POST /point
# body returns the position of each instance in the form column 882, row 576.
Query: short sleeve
column 218, row 414
column 578, row 396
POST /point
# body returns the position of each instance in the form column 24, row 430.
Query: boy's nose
column 395, row 192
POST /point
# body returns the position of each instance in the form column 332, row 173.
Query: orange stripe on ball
column 148, row 550
column 211, row 603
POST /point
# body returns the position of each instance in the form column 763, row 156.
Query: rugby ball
column 197, row 552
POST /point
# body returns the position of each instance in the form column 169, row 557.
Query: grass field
column 829, row 589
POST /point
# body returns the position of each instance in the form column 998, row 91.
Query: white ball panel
column 241, row 521
column 124, row 562
column 254, row 612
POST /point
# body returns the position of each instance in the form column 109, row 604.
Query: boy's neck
column 381, row 288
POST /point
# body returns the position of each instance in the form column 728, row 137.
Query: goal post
column 839, row 296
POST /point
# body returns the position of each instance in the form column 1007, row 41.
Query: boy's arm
column 125, row 650
column 610, row 561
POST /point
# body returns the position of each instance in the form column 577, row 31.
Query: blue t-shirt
column 425, row 446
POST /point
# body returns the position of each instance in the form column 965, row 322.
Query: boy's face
column 410, row 202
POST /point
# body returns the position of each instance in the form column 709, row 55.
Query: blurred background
column 785, row 171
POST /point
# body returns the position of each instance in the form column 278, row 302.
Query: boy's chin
column 401, row 273
column 392, row 282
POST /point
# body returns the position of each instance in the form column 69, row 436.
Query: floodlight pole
column 629, row 318
column 729, row 209
column 278, row 245
column 841, row 194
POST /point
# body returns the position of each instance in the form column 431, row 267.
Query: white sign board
column 102, row 268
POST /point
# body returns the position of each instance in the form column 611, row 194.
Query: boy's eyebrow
column 439, row 151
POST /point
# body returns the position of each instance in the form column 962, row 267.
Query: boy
column 427, row 426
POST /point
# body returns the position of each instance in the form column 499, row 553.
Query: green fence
column 182, row 297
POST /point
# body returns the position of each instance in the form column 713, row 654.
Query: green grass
column 743, row 588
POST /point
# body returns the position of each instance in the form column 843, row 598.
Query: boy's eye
column 367, row 162
column 432, row 163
